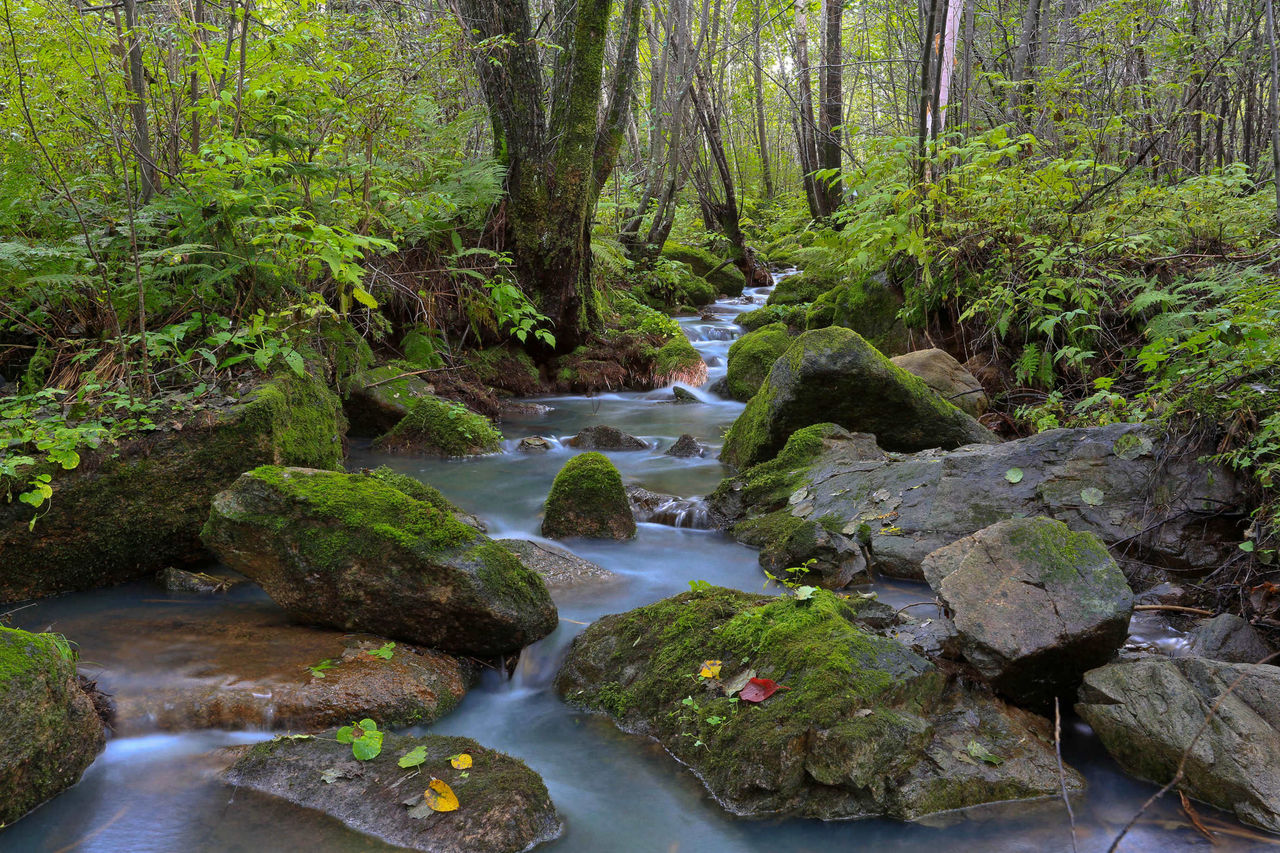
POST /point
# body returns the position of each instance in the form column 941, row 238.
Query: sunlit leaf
column 461, row 761
column 710, row 669
column 439, row 797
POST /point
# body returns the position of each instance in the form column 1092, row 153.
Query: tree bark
column 762, row 137
column 829, row 189
column 138, row 106
column 1275, row 105
column 805, row 141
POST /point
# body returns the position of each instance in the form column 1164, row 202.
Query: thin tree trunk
column 138, row 105
column 1022, row 56
column 831, row 112
column 804, row 123
column 1275, row 105
column 762, row 136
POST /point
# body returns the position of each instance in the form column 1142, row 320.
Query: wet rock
column 512, row 409
column 751, row 357
column 132, row 509
column 929, row 634
column 670, row 510
column 686, row 447
column 947, row 377
column 804, row 550
column 587, row 499
column 438, row 426
column 1162, row 593
column 1035, row 605
column 49, row 729
column 349, row 551
column 684, row 395
column 255, row 671
column 533, row 443
column 862, row 727
column 560, row 568
column 834, row 376
column 605, row 437
column 1149, row 712
column 1113, row 481
column 1229, row 638
column 678, row 361
column 180, row 580
column 504, row 806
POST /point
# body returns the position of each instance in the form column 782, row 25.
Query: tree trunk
column 138, row 106
column 804, row 95
column 1022, row 56
column 829, row 188
column 1275, row 105
column 761, row 136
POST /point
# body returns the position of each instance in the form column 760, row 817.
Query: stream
column 158, row 791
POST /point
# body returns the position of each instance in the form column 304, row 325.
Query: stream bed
column 158, row 791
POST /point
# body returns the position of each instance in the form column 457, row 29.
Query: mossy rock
column 869, row 307
column 802, row 288
column 1035, row 603
column 834, row 375
column 421, row 349
column 50, row 729
column 351, row 552
column 504, row 806
column 435, row 425
column 508, row 368
column 379, row 398
column 587, row 499
column 791, row 315
column 678, row 361
column 727, row 279
column 752, row 356
column 862, row 727
column 135, row 508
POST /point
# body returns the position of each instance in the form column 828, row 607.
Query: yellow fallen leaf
column 461, row 761
column 710, row 669
column 440, row 797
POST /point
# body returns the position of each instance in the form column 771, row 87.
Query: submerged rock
column 673, row 511
column 180, row 580
column 1035, row 605
column 435, row 425
column 686, row 447
column 587, row 499
column 559, row 567
column 1113, row 481
column 604, row 437
column 349, row 551
column 1227, row 637
column 533, row 443
column 49, row 730
column 1148, row 713
column 255, row 671
column 503, row 806
column 859, row 726
column 684, row 395
column 132, row 509
column 947, row 377
column 832, row 375
column 751, row 357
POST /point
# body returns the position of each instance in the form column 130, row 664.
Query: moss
column 803, row 287
column 302, row 413
column 505, row 576
column 728, row 279
column 415, row 489
column 503, row 367
column 792, row 315
column 345, row 349
column 1076, row 562
column 420, row 347
column 450, row 429
column 768, row 485
column 751, row 356
column 587, row 499
column 614, row 698
column 678, row 357
column 361, row 503
column 22, row 652
column 868, row 307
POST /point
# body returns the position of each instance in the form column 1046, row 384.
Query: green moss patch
column 588, row 499
column 438, row 426
column 751, row 357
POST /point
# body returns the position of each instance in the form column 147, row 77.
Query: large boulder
column 351, row 552
column 751, row 357
column 50, row 729
column 858, row 727
column 134, row 508
column 1151, row 712
column 503, row 806
column 726, row 278
column 1229, row 638
column 834, row 375
column 1035, row 604
column 588, row 499
column 442, row 427
column 790, row 315
column 559, row 567
column 947, row 377
column 1115, row 481
column 604, row 437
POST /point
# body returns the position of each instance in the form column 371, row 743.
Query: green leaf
column 980, row 752
column 1013, row 475
column 1091, row 495
column 414, row 757
column 367, row 746
column 346, row 734
column 385, row 651
column 804, row 593
column 293, row 358
column 364, row 297
column 1247, row 546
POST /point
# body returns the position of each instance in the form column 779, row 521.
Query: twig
column 1186, row 753
column 916, row 604
column 403, row 375
column 1062, row 772
column 1176, row 608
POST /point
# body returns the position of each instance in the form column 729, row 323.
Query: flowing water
column 154, row 791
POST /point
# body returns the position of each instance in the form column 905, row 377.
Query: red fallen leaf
column 760, row 689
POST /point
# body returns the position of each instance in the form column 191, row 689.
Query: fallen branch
column 1176, row 608
column 1062, row 773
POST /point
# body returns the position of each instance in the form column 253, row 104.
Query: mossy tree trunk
column 558, row 144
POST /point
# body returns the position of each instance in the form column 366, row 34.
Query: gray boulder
column 833, row 375
column 1035, row 605
column 503, row 807
column 1229, row 638
column 1149, row 712
column 1113, row 481
column 352, row 552
column 559, row 567
column 50, row 730
column 947, row 377
column 606, row 438
column 686, row 447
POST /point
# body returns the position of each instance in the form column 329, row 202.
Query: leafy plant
column 364, row 737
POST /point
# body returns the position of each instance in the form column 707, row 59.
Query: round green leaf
column 1013, row 475
column 1091, row 495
